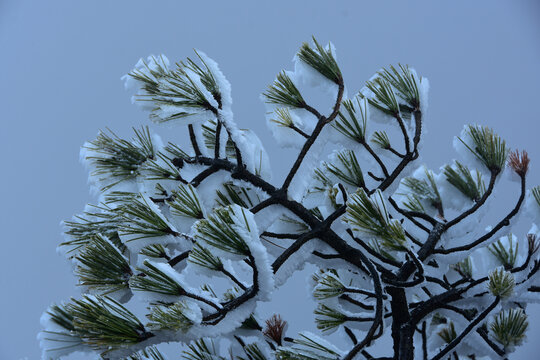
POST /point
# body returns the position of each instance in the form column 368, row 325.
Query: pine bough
column 200, row 236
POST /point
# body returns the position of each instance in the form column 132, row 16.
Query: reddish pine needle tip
column 519, row 162
column 275, row 327
column 533, row 243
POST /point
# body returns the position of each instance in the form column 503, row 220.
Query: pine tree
column 200, row 235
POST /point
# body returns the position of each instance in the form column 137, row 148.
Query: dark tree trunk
column 402, row 333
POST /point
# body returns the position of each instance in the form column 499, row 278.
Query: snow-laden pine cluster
column 200, row 237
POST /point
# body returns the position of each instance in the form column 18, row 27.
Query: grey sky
column 61, row 62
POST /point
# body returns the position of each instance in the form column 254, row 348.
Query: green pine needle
column 117, row 159
column 414, row 203
column 438, row 319
column 104, row 323
column 328, row 285
column 316, row 212
column 101, row 266
column 220, row 231
column 464, row 268
column 501, row 283
column 171, row 317
column 487, row 146
column 156, row 251
column 347, row 169
column 448, row 333
column 253, row 352
column 307, row 348
column 202, row 256
column 284, row 118
column 178, row 90
column 64, row 340
column 209, row 134
column 405, row 82
column 321, row 60
column 119, row 199
column 202, row 349
column 381, row 139
column 61, row 316
column 142, row 220
column 176, row 153
column 299, row 226
column 369, row 215
column 535, row 191
column 208, row 289
column 462, row 179
column 353, row 121
column 506, row 254
column 322, row 180
column 509, row 327
column 150, row 353
column 423, row 189
column 85, row 227
column 206, row 75
column 161, row 170
column 328, row 318
column 150, row 80
column 238, row 195
column 231, row 294
column 185, row 202
column 251, row 324
column 284, row 92
column 157, row 278
column 384, row 96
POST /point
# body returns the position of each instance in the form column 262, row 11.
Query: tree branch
column 500, row 225
column 322, row 121
column 218, row 140
column 193, row 139
column 466, row 331
column 478, row 204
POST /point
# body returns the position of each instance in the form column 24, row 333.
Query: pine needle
column 405, row 82
column 284, row 92
column 487, row 146
column 170, row 317
column 220, row 231
column 102, row 266
column 462, row 179
column 509, row 327
column 156, row 279
column 369, row 215
column 117, row 159
column 353, row 121
column 104, row 323
column 347, row 169
column 322, row 60
column 384, row 96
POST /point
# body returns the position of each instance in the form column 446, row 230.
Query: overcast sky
column 60, row 68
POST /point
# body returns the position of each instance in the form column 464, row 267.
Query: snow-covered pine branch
column 201, row 236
